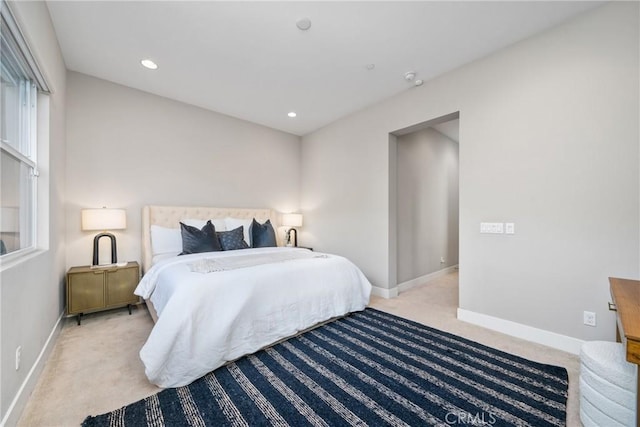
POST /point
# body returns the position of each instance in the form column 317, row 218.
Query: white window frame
column 27, row 149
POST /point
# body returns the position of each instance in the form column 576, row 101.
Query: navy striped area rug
column 369, row 368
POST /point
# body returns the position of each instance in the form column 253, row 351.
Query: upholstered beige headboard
column 170, row 217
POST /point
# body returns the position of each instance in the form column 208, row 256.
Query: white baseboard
column 518, row 330
column 384, row 292
column 14, row 412
column 405, row 286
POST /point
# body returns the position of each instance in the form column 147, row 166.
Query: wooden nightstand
column 103, row 288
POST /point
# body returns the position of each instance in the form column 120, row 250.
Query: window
column 20, row 82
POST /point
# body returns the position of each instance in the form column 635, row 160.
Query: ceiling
column 249, row 60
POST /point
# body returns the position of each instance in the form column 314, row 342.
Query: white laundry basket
column 607, row 386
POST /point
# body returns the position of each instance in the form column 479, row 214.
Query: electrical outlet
column 18, row 356
column 442, row 261
column 589, row 318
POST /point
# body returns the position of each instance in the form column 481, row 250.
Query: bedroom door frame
column 393, row 181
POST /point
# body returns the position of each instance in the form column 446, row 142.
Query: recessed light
column 292, row 114
column 149, row 64
column 370, row 66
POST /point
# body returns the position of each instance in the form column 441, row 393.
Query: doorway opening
column 424, row 201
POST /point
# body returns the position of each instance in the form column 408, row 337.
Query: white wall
column 32, row 290
column 548, row 140
column 427, row 203
column 128, row 148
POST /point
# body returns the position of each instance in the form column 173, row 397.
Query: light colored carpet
column 95, row 368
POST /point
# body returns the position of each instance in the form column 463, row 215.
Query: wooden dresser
column 96, row 289
column 626, row 297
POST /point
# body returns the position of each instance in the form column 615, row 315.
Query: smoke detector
column 304, row 24
column 409, row 76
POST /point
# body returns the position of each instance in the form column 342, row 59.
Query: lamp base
column 114, row 265
column 295, row 237
column 96, row 249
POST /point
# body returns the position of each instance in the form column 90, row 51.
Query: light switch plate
column 491, row 228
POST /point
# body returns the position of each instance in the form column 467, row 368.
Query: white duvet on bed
column 207, row 319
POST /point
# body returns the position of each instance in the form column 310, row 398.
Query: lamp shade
column 292, row 220
column 104, row 219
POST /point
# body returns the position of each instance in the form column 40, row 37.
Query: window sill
column 16, row 258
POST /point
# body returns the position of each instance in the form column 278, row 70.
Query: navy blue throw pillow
column 234, row 239
column 262, row 235
column 195, row 241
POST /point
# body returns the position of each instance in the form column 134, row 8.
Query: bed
column 213, row 307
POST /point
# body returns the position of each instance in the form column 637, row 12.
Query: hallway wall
column 427, row 203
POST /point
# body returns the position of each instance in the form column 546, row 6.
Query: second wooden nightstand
column 103, row 288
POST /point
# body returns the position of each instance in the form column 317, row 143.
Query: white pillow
column 219, row 224
column 165, row 240
column 233, row 223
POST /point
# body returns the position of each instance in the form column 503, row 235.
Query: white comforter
column 209, row 318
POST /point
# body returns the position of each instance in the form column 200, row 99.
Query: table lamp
column 104, row 219
column 292, row 220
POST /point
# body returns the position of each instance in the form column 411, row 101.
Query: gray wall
column 427, row 203
column 128, row 148
column 31, row 294
column 548, row 140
